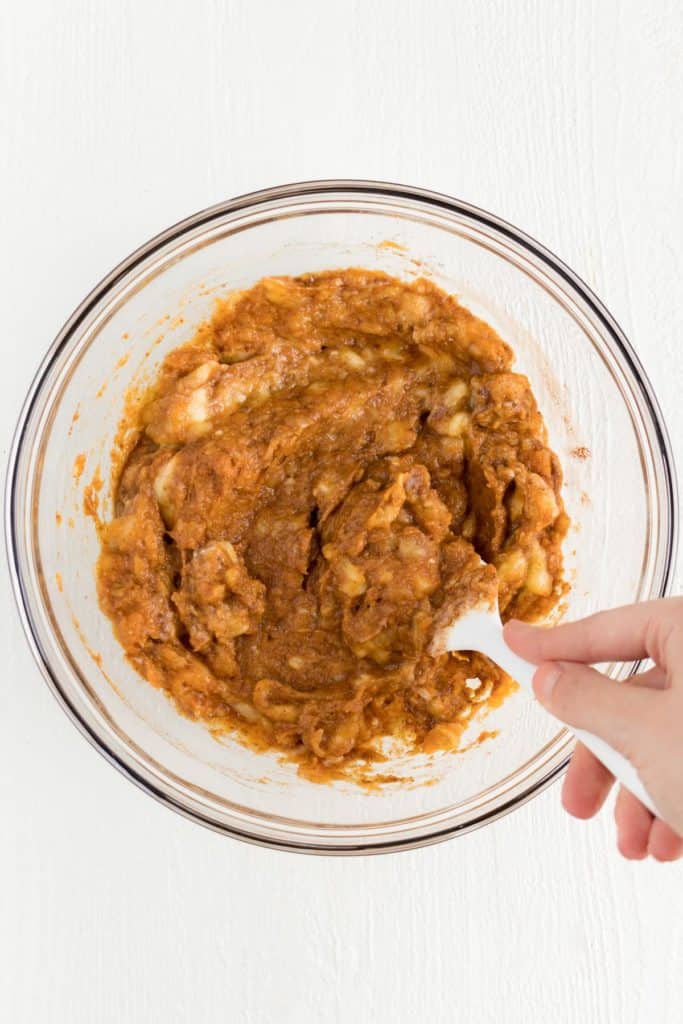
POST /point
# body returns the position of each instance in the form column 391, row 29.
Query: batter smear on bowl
column 316, row 478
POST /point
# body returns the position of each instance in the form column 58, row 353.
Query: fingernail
column 545, row 680
column 516, row 630
column 519, row 626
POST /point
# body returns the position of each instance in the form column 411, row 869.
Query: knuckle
column 661, row 632
column 545, row 646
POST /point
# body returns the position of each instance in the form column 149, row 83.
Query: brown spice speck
column 91, row 500
column 75, row 418
column 486, row 734
column 95, row 655
column 388, row 244
column 580, row 452
column 58, row 518
column 79, row 466
column 58, row 581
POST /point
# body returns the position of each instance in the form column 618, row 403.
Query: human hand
column 641, row 718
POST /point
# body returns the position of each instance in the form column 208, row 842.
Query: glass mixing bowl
column 603, row 421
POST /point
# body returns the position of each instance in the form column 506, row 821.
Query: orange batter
column 315, row 477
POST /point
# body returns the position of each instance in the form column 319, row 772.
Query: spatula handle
column 622, row 769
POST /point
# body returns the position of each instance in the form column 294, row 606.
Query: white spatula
column 480, row 629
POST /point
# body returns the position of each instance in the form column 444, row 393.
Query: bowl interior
column 597, row 424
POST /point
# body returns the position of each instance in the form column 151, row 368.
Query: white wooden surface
column 119, row 118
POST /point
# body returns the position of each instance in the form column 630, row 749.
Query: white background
column 118, row 119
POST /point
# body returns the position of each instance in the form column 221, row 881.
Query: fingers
column 664, row 844
column 622, row 634
column 634, row 719
column 585, row 699
column 633, row 826
column 586, row 785
column 639, row 835
column 653, row 679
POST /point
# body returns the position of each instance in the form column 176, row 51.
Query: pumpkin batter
column 316, row 478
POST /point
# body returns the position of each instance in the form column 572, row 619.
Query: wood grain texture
column 118, row 119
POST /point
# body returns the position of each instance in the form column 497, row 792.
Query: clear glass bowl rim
column 300, row 191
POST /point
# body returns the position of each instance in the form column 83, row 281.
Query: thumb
column 620, row 713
